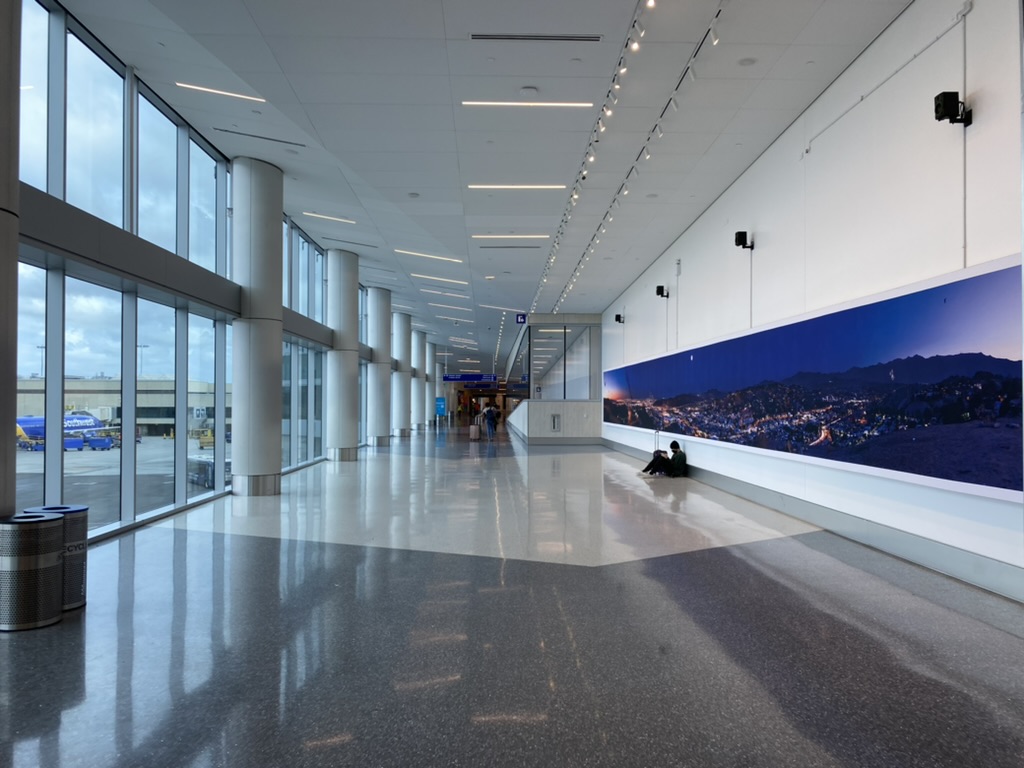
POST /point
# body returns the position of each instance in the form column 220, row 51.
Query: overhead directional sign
column 520, row 319
column 488, row 377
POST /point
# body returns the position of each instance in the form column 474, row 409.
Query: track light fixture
column 625, row 189
column 647, row 153
column 600, row 125
column 607, row 111
column 622, row 67
column 634, row 44
column 714, row 34
column 673, row 103
column 639, row 28
column 690, row 74
column 657, row 130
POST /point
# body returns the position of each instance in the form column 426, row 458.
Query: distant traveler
column 663, row 464
column 491, row 417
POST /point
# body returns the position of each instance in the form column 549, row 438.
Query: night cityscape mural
column 927, row 383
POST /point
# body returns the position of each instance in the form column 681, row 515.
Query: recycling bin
column 31, row 570
column 76, row 532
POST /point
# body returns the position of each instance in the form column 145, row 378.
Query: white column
column 429, row 366
column 341, row 393
column 439, row 389
column 401, row 379
column 419, row 380
column 10, row 101
column 378, row 374
column 257, row 205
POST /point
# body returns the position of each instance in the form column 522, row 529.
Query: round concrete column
column 10, row 99
column 419, row 380
column 430, row 363
column 401, row 379
column 257, row 204
column 378, row 375
column 341, row 394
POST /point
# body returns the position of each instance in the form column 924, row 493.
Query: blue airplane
column 76, row 423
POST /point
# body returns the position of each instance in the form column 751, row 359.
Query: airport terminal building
column 785, row 234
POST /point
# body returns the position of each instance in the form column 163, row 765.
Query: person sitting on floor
column 663, row 464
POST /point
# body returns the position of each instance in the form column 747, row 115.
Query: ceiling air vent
column 542, row 38
column 257, row 136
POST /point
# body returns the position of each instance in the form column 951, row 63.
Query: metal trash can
column 76, row 532
column 31, row 570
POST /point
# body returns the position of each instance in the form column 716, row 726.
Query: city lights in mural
column 927, row 383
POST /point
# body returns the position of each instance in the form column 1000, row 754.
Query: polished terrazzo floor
column 453, row 603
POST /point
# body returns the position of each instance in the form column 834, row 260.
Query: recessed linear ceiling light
column 470, row 370
column 456, row 319
column 220, row 93
column 444, row 293
column 329, row 218
column 503, row 309
column 467, row 360
column 554, row 330
column 449, row 306
column 510, row 237
column 516, row 186
column 400, row 306
column 583, row 104
column 440, row 279
column 428, row 256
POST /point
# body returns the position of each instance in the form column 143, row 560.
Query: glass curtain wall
column 92, row 399
column 286, row 404
column 94, row 170
column 155, row 406
column 75, row 95
column 158, row 176
column 202, row 208
column 201, row 412
column 31, row 377
column 34, row 76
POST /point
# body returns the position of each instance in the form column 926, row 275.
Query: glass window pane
column 95, row 134
column 158, row 177
column 318, row 404
column 34, row 82
column 201, row 388
column 302, row 420
column 319, row 288
column 202, row 208
column 286, row 405
column 227, row 224
column 31, row 373
column 303, row 276
column 154, row 467
column 92, row 400
column 286, row 272
column 227, row 406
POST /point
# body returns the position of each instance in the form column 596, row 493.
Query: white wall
column 864, row 195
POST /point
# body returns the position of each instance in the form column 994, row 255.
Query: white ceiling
column 369, row 94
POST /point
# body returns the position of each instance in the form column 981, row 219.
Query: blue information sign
column 488, row 377
column 440, row 406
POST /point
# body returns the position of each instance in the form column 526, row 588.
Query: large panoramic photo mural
column 927, row 383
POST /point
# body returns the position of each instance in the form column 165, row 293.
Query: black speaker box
column 947, row 105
